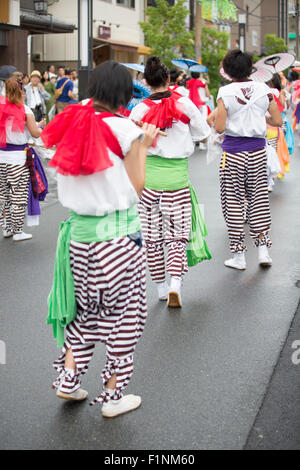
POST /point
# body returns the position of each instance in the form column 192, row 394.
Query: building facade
column 18, row 24
column 116, row 32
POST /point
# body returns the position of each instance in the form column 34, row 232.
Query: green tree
column 165, row 31
column 274, row 44
column 225, row 9
column 214, row 48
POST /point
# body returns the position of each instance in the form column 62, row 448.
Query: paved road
column 203, row 372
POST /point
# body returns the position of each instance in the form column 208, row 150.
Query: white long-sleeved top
column 106, row 191
column 181, row 90
column 248, row 119
column 180, row 139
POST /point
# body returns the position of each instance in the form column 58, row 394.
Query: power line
column 257, row 6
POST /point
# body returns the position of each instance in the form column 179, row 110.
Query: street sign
column 104, row 32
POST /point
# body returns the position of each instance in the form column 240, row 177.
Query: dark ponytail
column 156, row 73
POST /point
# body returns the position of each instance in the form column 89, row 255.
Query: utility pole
column 192, row 15
column 85, row 44
column 198, row 32
column 297, row 29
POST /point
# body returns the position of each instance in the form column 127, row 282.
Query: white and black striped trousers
column 14, row 185
column 166, row 220
column 110, row 290
column 244, row 178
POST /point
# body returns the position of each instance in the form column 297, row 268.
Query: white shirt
column 246, row 120
column 17, row 138
column 33, row 96
column 181, row 90
column 106, row 191
column 202, row 91
column 180, row 139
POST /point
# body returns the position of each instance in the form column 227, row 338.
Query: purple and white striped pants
column 110, row 290
column 166, row 220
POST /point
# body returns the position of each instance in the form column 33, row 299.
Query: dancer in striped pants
column 244, row 177
column 14, row 185
column 168, row 200
column 166, row 221
column 99, row 288
column 16, row 121
column 111, row 308
column 241, row 115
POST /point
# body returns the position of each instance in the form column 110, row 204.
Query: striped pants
column 166, row 220
column 244, row 179
column 14, row 185
column 110, row 290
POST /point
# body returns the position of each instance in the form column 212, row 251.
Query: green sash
column 170, row 174
column 82, row 229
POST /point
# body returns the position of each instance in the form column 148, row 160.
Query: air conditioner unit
column 36, row 57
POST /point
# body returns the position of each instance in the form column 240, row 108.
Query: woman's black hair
column 111, row 84
column 174, row 74
column 195, row 74
column 238, row 64
column 43, row 80
column 276, row 82
column 293, row 76
column 156, row 73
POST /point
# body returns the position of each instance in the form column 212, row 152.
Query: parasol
column 140, row 93
column 198, row 68
column 224, row 75
column 296, row 63
column 276, row 62
column 259, row 74
column 137, row 67
column 184, row 64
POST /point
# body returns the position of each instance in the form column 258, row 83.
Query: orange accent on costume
column 282, row 149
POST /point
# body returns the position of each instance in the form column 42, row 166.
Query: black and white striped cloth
column 166, row 220
column 244, row 180
column 110, row 289
column 14, row 185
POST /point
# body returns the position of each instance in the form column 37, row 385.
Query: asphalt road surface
column 217, row 374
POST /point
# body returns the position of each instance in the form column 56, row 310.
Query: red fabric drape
column 13, row 115
column 82, row 141
column 281, row 108
column 193, row 85
column 163, row 114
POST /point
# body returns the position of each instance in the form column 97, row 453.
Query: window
column 254, row 38
column 151, row 3
column 126, row 3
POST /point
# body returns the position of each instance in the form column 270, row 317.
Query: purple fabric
column 33, row 204
column 13, row 147
column 242, row 144
column 297, row 113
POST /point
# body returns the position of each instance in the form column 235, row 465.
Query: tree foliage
column 165, row 31
column 274, row 44
column 225, row 9
column 214, row 48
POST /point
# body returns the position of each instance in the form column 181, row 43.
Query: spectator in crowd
column 51, row 71
column 36, row 95
column 74, row 78
column 25, row 79
column 64, row 88
column 50, row 88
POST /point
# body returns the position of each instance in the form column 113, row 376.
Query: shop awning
column 43, row 24
column 123, row 46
